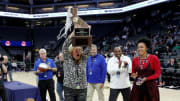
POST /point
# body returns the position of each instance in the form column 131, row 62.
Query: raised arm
column 87, row 52
column 66, row 45
column 4, row 68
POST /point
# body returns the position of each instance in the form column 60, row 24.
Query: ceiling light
column 106, row 4
column 13, row 8
column 47, row 9
column 67, row 6
column 82, row 6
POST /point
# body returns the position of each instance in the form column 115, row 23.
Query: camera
column 1, row 59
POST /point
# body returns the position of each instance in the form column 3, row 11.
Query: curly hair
column 146, row 41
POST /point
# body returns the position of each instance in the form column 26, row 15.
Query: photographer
column 9, row 68
column 3, row 70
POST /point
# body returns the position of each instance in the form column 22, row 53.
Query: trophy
column 82, row 35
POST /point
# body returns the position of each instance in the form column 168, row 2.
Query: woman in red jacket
column 145, row 71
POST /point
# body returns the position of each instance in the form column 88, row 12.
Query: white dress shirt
column 122, row 81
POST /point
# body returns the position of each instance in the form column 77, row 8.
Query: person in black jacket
column 28, row 64
column 172, row 64
column 60, row 76
column 9, row 68
column 3, row 70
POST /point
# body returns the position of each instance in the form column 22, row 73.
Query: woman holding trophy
column 75, row 82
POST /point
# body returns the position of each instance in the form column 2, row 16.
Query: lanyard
column 92, row 62
column 77, row 71
column 119, row 60
column 141, row 65
column 78, row 82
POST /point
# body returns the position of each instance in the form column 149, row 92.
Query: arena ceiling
column 124, row 17
column 39, row 2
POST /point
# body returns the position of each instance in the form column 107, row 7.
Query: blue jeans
column 10, row 75
column 60, row 91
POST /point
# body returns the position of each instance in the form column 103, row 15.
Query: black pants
column 45, row 85
column 75, row 94
column 3, row 93
column 115, row 92
column 108, row 77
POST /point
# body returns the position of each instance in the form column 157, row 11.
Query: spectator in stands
column 174, row 53
column 96, row 74
column 157, row 54
column 168, row 51
column 162, row 64
column 172, row 64
column 60, row 76
column 170, row 42
column 178, row 61
column 45, row 79
column 116, row 38
column 14, row 65
column 104, row 43
column 176, row 47
column 75, row 82
column 145, row 70
column 9, row 67
column 133, row 53
column 124, row 37
column 119, row 67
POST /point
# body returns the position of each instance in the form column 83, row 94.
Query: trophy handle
column 76, row 19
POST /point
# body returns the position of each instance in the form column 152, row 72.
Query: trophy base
column 82, row 41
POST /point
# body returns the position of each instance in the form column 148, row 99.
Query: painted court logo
column 30, row 99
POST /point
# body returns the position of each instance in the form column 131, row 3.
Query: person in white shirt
column 119, row 67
